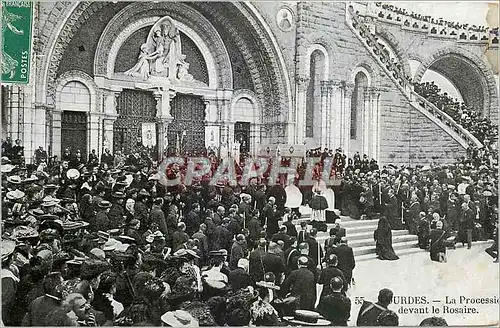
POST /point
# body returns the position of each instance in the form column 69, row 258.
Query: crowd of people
column 426, row 20
column 90, row 243
column 470, row 119
column 460, row 198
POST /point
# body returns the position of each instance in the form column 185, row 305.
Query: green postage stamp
column 17, row 18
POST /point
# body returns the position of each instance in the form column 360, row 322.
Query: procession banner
column 17, row 19
column 149, row 134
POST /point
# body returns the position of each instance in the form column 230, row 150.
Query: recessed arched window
column 313, row 96
column 358, row 103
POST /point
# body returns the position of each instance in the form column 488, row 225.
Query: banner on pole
column 149, row 134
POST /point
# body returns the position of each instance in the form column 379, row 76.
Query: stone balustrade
column 397, row 74
column 450, row 122
column 427, row 24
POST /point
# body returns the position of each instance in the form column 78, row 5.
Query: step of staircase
column 360, row 237
column 400, row 253
column 354, row 236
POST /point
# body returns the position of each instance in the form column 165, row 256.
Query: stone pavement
column 468, row 273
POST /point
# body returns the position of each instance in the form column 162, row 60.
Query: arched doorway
column 134, row 107
column 75, row 106
column 245, row 114
column 186, row 133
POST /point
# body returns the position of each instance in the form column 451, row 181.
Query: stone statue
column 142, row 67
column 161, row 55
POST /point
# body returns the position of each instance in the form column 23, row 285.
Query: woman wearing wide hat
column 262, row 311
column 144, row 310
column 215, row 283
column 179, row 318
column 10, row 281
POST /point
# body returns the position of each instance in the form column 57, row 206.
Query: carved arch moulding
column 485, row 74
column 46, row 79
column 250, row 95
column 189, row 21
column 86, row 80
column 259, row 49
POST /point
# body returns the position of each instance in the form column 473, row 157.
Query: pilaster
column 348, row 89
column 325, row 106
column 163, row 118
column 336, row 123
column 302, row 83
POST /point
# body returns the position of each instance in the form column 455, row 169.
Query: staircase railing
column 398, row 76
column 448, row 120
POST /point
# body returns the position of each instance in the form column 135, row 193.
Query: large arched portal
column 228, row 47
column 469, row 74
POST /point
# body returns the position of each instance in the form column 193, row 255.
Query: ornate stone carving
column 141, row 14
column 270, row 85
column 76, row 20
column 161, row 54
column 348, row 89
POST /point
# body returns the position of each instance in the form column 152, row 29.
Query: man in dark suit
column 301, row 283
column 368, row 313
column 192, row 219
column 315, row 250
column 302, row 235
column 272, row 262
column 328, row 273
column 335, row 307
column 339, row 231
column 43, row 305
column 239, row 277
column 466, row 225
column 256, row 267
column 290, row 227
column 346, row 261
column 283, row 236
column 304, row 251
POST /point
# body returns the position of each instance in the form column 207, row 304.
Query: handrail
column 398, row 77
column 360, row 29
column 448, row 120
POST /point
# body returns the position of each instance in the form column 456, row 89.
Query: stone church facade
column 258, row 74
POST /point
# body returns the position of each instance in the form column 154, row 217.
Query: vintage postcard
column 257, row 163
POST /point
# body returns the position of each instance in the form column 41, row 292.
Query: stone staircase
column 359, row 235
column 365, row 35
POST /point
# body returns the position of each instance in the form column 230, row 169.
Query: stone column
column 325, row 108
column 56, row 132
column 94, row 126
column 336, row 124
column 302, row 82
column 366, row 123
column 110, row 116
column 41, row 126
column 108, row 122
column 346, row 119
column 163, row 119
column 375, row 121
